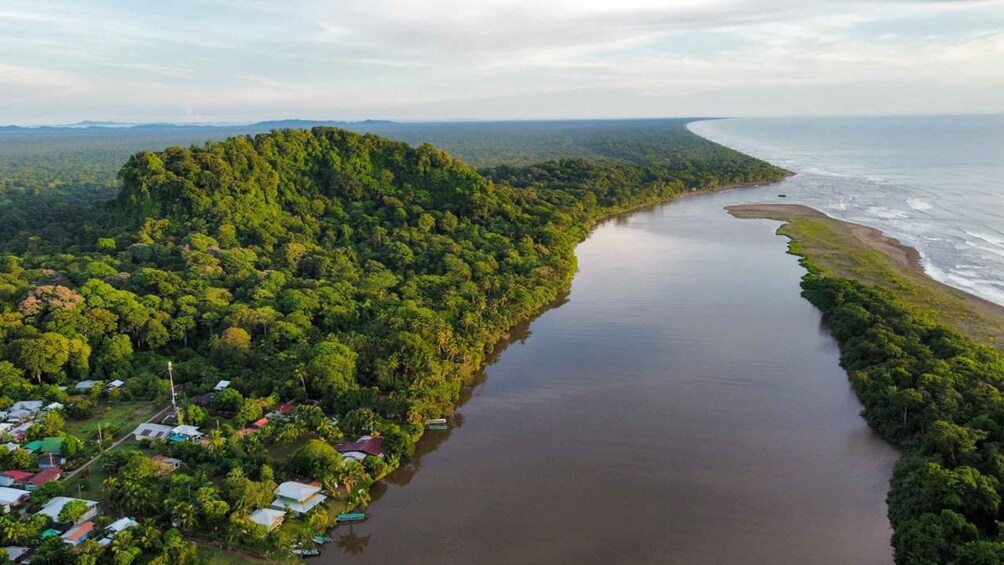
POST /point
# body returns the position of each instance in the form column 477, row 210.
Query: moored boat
column 349, row 517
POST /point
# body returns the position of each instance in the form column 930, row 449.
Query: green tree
column 42, row 355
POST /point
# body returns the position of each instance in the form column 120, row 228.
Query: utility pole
column 174, row 401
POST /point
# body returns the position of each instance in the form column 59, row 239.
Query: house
column 260, row 423
column 119, row 526
column 52, row 445
column 170, row 463
column 298, row 498
column 14, row 478
column 43, row 478
column 55, row 506
column 282, row 411
column 222, row 385
column 185, row 433
column 114, row 385
column 152, row 431
column 115, row 528
column 18, row 432
column 12, row 498
column 17, row 554
column 33, row 446
column 359, row 449
column 268, row 517
column 85, row 386
column 53, row 406
column 77, row 534
column 204, row 399
column 50, row 461
column 32, row 406
column 11, row 446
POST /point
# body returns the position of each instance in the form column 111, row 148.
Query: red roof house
column 43, row 477
column 366, row 444
column 260, row 423
column 11, row 478
column 79, row 533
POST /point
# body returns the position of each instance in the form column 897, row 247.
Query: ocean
column 933, row 182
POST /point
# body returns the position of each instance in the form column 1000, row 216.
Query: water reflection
column 352, row 543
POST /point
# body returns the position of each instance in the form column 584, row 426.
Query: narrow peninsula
column 925, row 361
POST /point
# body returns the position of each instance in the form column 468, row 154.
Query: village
column 70, row 495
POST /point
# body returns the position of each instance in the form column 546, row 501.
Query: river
column 683, row 405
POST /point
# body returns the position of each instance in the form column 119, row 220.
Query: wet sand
column 684, row 405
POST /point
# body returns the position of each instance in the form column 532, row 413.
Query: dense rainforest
column 322, row 264
column 361, row 279
column 937, row 395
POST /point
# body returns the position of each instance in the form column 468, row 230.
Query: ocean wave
column 887, row 213
column 918, row 204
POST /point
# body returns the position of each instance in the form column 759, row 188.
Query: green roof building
column 52, row 445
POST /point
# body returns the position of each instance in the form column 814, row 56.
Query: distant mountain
column 98, row 126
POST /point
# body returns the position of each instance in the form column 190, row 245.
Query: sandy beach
column 835, row 246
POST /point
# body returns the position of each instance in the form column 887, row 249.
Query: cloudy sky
column 246, row 60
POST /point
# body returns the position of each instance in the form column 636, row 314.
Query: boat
column 437, row 424
column 321, row 540
column 308, row 552
column 349, row 517
column 782, row 195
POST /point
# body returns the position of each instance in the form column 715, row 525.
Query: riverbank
column 848, row 250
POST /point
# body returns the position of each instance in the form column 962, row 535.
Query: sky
column 247, row 60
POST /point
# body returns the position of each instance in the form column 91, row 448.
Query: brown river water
column 683, row 405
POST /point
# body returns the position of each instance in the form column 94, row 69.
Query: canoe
column 307, row 552
column 320, row 540
column 351, row 517
column 437, row 427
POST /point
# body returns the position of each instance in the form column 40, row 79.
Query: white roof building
column 298, row 498
column 55, row 506
column 268, row 517
column 187, row 432
column 221, row 385
column 85, row 385
column 115, row 384
column 120, row 525
column 12, row 497
column 54, row 406
column 27, row 405
column 152, row 431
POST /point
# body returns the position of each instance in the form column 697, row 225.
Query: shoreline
column 866, row 254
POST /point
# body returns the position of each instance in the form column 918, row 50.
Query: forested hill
column 320, row 263
column 53, row 180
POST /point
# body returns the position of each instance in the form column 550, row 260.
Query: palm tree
column 183, row 516
column 14, row 531
column 122, row 542
column 215, row 441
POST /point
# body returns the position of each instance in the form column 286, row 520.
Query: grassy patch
column 831, row 248
column 118, row 417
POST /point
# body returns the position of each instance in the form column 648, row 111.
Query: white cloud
column 423, row 59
